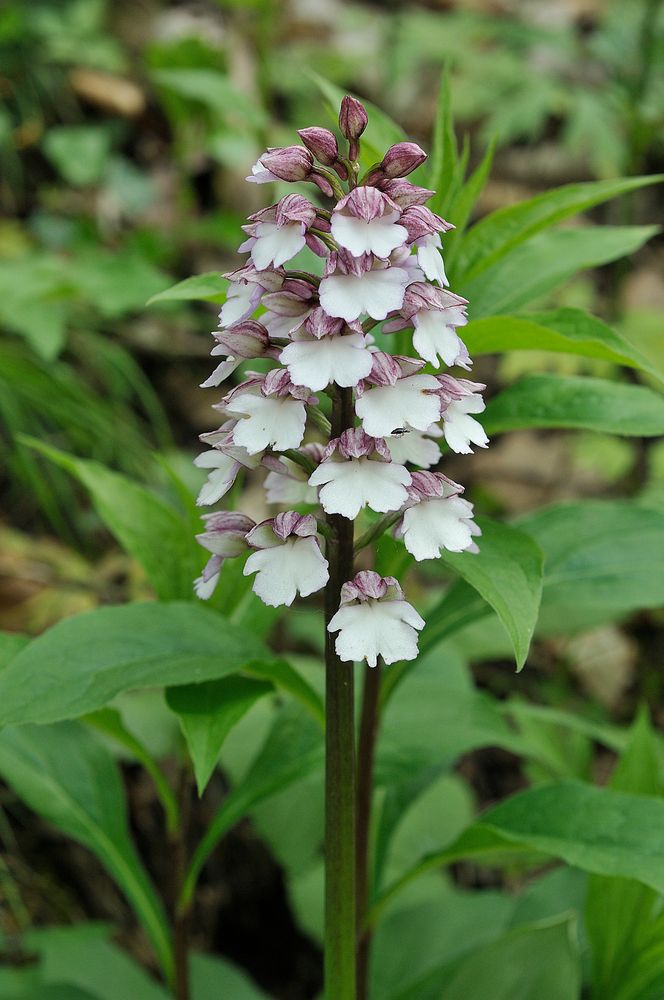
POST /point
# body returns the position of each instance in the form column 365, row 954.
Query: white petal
column 404, row 404
column 438, row 524
column 376, row 628
column 316, row 363
column 415, row 448
column 432, row 337
column 347, row 487
column 430, row 259
column 269, row 422
column 462, row 430
column 282, row 572
column 376, row 292
column 204, row 589
column 240, row 303
column 221, row 372
column 380, row 236
column 276, row 244
column 285, row 490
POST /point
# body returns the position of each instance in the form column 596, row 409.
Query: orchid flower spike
column 322, row 336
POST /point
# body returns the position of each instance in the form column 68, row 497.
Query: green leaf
column 464, row 202
column 84, row 959
column 537, row 960
column 154, row 533
column 79, row 152
column 213, row 978
column 603, row 559
column 442, row 174
column 207, row 713
column 621, row 913
column 546, row 261
column 10, row 644
column 592, row 404
column 293, row 748
column 596, row 829
column 566, row 331
column 208, row 287
column 500, row 232
column 63, row 773
column 507, row 573
column 94, row 656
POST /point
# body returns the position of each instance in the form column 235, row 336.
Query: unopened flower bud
column 288, row 163
column 402, row 159
column 353, row 120
column 322, row 143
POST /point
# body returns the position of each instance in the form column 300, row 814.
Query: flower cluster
column 383, row 264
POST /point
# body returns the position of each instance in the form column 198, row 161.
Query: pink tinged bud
column 322, row 183
column 322, row 143
column 225, row 533
column 315, row 244
column 288, row 163
column 370, row 586
column 432, row 485
column 401, row 159
column 420, row 221
column 403, row 193
column 353, row 118
column 244, row 340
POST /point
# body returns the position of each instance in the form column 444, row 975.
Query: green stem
column 340, row 903
column 369, row 722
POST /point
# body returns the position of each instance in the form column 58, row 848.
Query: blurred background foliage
column 126, row 129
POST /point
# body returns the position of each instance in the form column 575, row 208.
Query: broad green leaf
column 159, row 537
column 621, row 913
column 81, row 663
column 414, row 941
column 538, row 960
column 293, row 748
column 603, row 559
column 285, row 677
column 565, row 331
column 84, row 959
column 501, row 231
column 507, row 573
column 592, row 404
column 10, row 644
column 596, row 829
column 545, row 261
column 213, row 978
column 79, row 152
column 63, row 773
column 208, row 287
column 207, row 713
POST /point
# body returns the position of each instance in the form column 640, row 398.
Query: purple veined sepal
column 241, row 342
column 286, row 163
column 225, row 537
column 401, row 159
column 375, row 621
column 357, row 471
column 287, row 559
column 403, row 192
column 289, row 307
